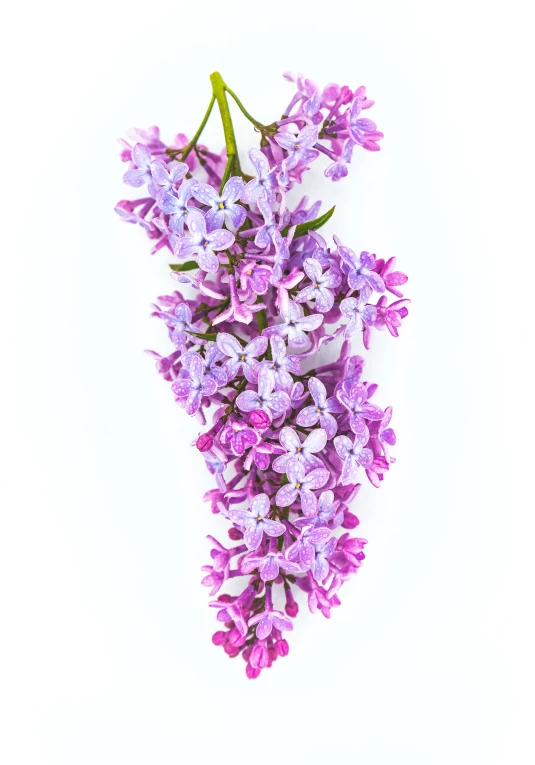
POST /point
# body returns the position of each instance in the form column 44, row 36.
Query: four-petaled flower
column 295, row 325
column 320, row 566
column 359, row 269
column 326, row 512
column 281, row 365
column 203, row 243
column 390, row 316
column 223, row 204
column 322, row 285
column 166, row 176
column 269, row 565
column 322, row 410
column 255, row 276
column 381, row 432
column 239, row 357
column 212, row 356
column 176, row 205
column 299, row 147
column 302, row 549
column 178, row 322
column 194, row 387
column 362, row 130
column 303, row 485
column 255, row 523
column 264, row 184
column 265, row 233
column 353, row 455
column 141, row 175
column 358, row 312
column 355, row 400
column 239, row 437
column 303, row 452
column 267, row 620
column 272, row 402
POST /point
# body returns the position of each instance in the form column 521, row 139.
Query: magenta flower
column 194, row 387
column 303, row 485
column 255, row 523
column 391, row 278
column 255, row 277
column 381, row 432
column 390, row 316
column 327, row 513
column 238, row 310
column 322, row 409
column 239, row 437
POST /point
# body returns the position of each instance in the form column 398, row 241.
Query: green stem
column 241, row 107
column 193, row 143
column 233, row 162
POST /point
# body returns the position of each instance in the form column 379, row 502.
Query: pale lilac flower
column 267, row 620
column 255, row 522
column 353, row 455
column 265, row 182
column 281, row 365
column 273, row 403
column 303, row 452
column 322, row 285
column 362, row 130
column 176, row 205
column 239, row 357
column 299, row 147
column 339, row 169
column 383, row 433
column 223, row 204
column 303, row 485
column 256, row 277
column 295, row 325
column 359, row 269
column 320, row 565
column 194, row 387
column 141, row 157
column 358, row 312
column 355, row 400
column 212, row 357
column 322, row 410
column 269, row 565
column 265, row 234
column 167, row 176
column 202, row 243
column 327, row 512
column 302, row 549
column 179, row 322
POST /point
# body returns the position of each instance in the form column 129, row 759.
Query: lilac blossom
column 299, row 147
column 302, row 549
column 240, row 357
column 355, row 400
column 281, row 365
column 327, row 512
column 320, row 564
column 167, row 176
column 265, row 182
column 255, row 523
column 381, row 433
column 295, row 325
column 362, row 130
column 301, row 484
column 268, row 565
column 179, row 323
column 222, row 205
column 353, row 455
column 322, row 410
column 141, row 175
column 271, row 402
column 390, row 316
column 267, row 620
column 211, row 359
column 176, row 206
column 303, row 452
column 202, row 243
column 358, row 311
column 360, row 270
column 321, row 286
column 194, row 387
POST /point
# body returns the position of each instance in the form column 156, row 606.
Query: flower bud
column 259, row 419
column 204, row 442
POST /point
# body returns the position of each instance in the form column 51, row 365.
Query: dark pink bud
column 247, row 652
column 350, row 521
column 236, row 638
column 235, row 534
column 259, row 419
column 231, row 650
column 259, row 656
column 292, row 609
column 219, row 638
column 282, row 647
column 252, row 672
column 204, row 442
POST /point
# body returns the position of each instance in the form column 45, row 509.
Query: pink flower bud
column 252, row 672
column 282, row 647
column 204, row 442
column 219, row 638
column 235, row 534
column 259, row 419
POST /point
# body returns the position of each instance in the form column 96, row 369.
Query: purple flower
column 267, row 620
column 212, row 356
column 177, row 206
column 194, row 387
column 339, row 169
column 273, row 403
column 303, row 452
column 358, row 312
column 359, row 269
column 302, row 485
column 320, row 566
column 326, row 512
column 256, row 277
column 239, row 437
column 382, row 433
column 202, row 243
column 322, row 410
column 255, row 523
column 141, row 175
column 268, row 565
column 238, row 310
column 390, row 316
column 178, row 322
column 299, row 147
column 166, row 176
column 281, row 365
column 265, row 182
column 265, row 234
column 302, row 549
column 353, row 455
column 223, row 204
column 320, row 289
column 244, row 358
column 363, row 131
column 295, row 325
column 391, row 278
column 355, row 400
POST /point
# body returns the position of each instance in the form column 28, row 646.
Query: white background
column 105, row 632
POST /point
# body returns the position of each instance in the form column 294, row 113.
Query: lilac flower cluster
column 287, row 440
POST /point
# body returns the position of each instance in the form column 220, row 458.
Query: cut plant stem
column 233, row 161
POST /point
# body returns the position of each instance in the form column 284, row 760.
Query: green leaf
column 202, row 335
column 312, row 225
column 189, row 266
